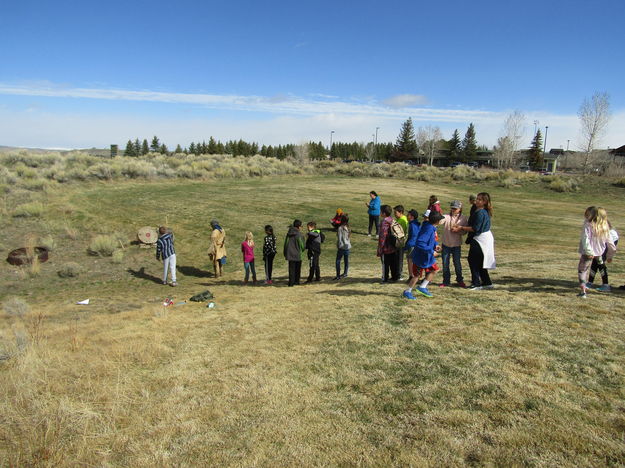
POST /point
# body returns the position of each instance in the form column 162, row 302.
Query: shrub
column 104, row 171
column 563, row 185
column 507, row 182
column 118, row 256
column 136, row 169
column 103, row 245
column 29, row 210
column 34, row 184
column 70, row 270
column 16, row 307
column 48, row 242
column 620, row 182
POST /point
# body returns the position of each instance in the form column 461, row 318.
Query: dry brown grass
column 328, row 374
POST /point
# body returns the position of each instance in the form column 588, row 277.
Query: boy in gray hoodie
column 294, row 246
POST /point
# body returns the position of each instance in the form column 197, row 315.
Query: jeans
column 342, row 254
column 169, row 263
column 295, row 271
column 249, row 266
column 313, row 263
column 391, row 267
column 455, row 253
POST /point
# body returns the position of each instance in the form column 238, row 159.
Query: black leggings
column 269, row 266
column 479, row 275
column 374, row 220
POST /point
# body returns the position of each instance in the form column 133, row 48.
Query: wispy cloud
column 406, row 100
column 280, row 104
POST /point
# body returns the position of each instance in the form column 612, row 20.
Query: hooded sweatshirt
column 294, row 245
column 313, row 241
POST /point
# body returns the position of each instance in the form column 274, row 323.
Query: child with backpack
column 343, row 246
column 402, row 220
column 423, row 256
column 387, row 245
column 313, row 245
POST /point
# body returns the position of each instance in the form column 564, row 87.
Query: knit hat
column 456, row 204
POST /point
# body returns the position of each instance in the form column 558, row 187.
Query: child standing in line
column 413, row 230
column 313, row 245
column 452, row 242
column 293, row 249
column 165, row 250
column 247, row 247
column 594, row 240
column 423, row 256
column 269, row 253
column 343, row 246
column 402, row 220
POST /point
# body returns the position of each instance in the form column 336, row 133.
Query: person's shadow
column 141, row 274
column 193, row 271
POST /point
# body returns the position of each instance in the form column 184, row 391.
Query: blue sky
column 84, row 73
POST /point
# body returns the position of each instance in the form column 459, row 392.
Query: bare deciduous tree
column 594, row 116
column 508, row 143
column 428, row 140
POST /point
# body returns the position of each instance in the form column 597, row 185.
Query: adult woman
column 373, row 208
column 217, row 248
column 481, row 243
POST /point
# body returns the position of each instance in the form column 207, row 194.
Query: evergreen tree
column 212, row 146
column 406, row 145
column 163, row 149
column 137, row 146
column 192, row 148
column 469, row 144
column 178, row 149
column 144, row 147
column 156, row 145
column 455, row 149
column 130, row 149
column 536, row 152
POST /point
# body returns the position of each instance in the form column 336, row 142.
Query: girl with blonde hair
column 594, row 241
column 247, row 247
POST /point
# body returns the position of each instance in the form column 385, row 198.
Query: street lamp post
column 331, row 133
column 375, row 145
column 545, row 144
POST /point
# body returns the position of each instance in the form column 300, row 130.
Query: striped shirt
column 165, row 246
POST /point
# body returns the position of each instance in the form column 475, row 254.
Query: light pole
column 567, row 144
column 545, row 144
column 375, row 144
column 331, row 133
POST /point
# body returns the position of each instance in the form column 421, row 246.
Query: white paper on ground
column 85, row 302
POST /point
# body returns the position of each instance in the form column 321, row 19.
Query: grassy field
column 335, row 373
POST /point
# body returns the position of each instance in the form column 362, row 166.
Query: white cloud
column 406, row 100
column 295, row 119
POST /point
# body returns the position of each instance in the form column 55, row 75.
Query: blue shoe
column 604, row 288
column 424, row 292
column 408, row 295
column 589, row 286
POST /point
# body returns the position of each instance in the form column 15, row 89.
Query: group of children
column 402, row 236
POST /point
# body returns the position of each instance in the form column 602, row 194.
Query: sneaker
column 475, row 287
column 461, row 284
column 344, row 275
column 368, row 235
column 589, row 286
column 164, row 283
column 443, row 285
column 604, row 288
column 336, row 278
column 174, row 284
column 408, row 295
column 424, row 292
column 582, row 295
column 489, row 286
column 377, row 237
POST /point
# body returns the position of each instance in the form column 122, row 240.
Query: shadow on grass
column 193, row 271
column 540, row 285
column 141, row 274
column 356, row 292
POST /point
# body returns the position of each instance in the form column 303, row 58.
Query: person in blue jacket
column 423, row 256
column 413, row 230
column 374, row 212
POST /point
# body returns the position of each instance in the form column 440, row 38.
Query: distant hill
column 91, row 151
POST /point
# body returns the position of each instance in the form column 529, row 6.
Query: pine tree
column 163, row 149
column 192, row 148
column 406, row 145
column 137, row 146
column 212, row 146
column 156, row 145
column 469, row 145
column 455, row 149
column 144, row 147
column 130, row 149
column 536, row 152
column 178, row 149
